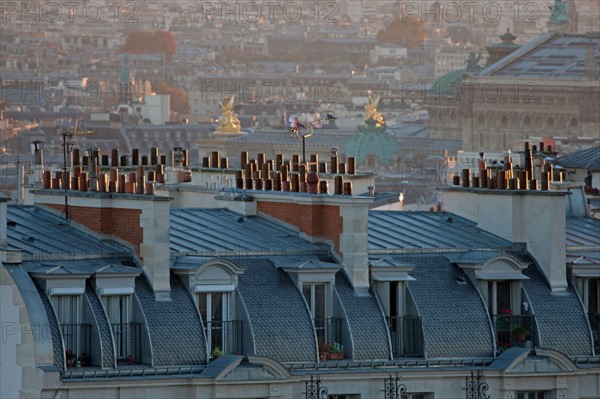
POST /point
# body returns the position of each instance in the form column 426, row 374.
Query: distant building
column 547, row 88
column 388, row 51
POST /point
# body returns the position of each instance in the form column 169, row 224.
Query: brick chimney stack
column 140, row 220
column 534, row 218
column 337, row 219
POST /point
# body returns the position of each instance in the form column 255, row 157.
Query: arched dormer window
column 214, row 283
column 315, row 280
column 499, row 282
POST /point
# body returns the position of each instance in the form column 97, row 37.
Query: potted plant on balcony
column 336, row 352
column 520, row 333
column 323, row 351
column 216, row 353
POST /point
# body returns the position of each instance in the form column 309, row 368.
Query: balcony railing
column 128, row 341
column 228, row 336
column 595, row 324
column 329, row 330
column 77, row 339
column 514, row 330
column 407, row 335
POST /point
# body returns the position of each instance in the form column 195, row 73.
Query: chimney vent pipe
column 351, row 166
column 114, row 158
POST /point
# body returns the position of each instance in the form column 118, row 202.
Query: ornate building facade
column 548, row 88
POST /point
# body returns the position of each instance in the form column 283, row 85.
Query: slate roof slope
column 416, row 230
column 101, row 323
column 561, row 322
column 211, row 231
column 280, row 319
column 369, row 329
column 57, row 339
column 585, row 159
column 455, row 320
column 38, row 232
column 176, row 332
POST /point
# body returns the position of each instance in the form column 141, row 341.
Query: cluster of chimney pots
column 96, row 172
column 504, row 175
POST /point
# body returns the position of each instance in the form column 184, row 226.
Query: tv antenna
column 298, row 127
column 69, row 140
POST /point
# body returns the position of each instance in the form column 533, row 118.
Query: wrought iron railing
column 329, row 330
column 128, row 341
column 514, row 330
column 78, row 341
column 228, row 336
column 407, row 335
column 595, row 324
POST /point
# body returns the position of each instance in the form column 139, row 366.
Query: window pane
column 490, row 296
column 503, row 295
column 216, row 311
column 306, row 292
column 593, row 296
column 319, row 300
column 202, row 306
column 393, row 299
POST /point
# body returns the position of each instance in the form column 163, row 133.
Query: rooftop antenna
column 68, row 141
column 298, row 127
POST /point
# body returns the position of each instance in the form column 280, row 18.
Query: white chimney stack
column 534, row 218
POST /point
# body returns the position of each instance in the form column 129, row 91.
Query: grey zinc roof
column 585, row 159
column 455, row 320
column 561, row 321
column 427, row 230
column 38, row 233
column 48, row 346
column 175, row 328
column 370, row 338
column 214, row 231
column 583, row 232
column 279, row 317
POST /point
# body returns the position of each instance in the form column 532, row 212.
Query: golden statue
column 228, row 121
column 372, row 116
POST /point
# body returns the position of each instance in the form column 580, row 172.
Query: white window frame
column 326, row 298
column 58, row 306
column 226, row 311
column 125, row 311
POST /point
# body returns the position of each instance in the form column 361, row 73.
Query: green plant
column 217, row 352
column 337, row 348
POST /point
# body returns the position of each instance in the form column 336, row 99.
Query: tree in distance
column 408, row 32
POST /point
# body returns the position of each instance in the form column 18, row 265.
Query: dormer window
column 315, row 280
column 390, row 280
column 213, row 284
column 65, row 286
column 499, row 282
column 115, row 286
